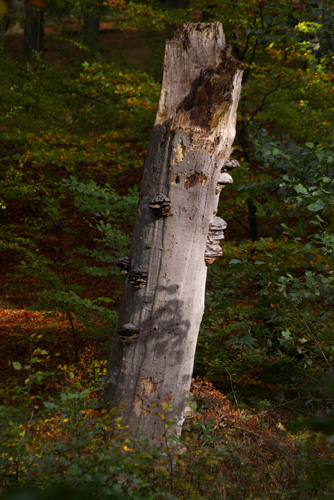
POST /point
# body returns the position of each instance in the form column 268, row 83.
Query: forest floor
column 261, row 457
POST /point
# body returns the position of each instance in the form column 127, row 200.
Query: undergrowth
column 56, row 437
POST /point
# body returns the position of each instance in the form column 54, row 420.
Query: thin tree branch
column 277, row 406
column 232, row 388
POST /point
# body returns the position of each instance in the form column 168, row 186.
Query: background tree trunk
column 2, row 33
column 91, row 28
column 33, row 32
column 176, row 231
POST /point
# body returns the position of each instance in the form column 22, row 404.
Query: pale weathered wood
column 177, row 231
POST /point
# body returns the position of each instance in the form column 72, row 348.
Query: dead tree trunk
column 176, row 232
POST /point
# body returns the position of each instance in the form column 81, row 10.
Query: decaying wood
column 177, row 231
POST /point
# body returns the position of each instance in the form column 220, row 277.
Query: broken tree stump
column 176, row 232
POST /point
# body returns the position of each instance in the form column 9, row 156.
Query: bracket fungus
column 230, row 164
column 216, row 233
column 160, row 205
column 216, row 230
column 224, row 179
column 128, row 333
column 212, row 252
column 137, row 277
column 124, row 264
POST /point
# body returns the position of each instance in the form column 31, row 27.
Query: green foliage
column 37, row 168
column 142, row 16
column 318, row 33
column 268, row 323
column 286, row 323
